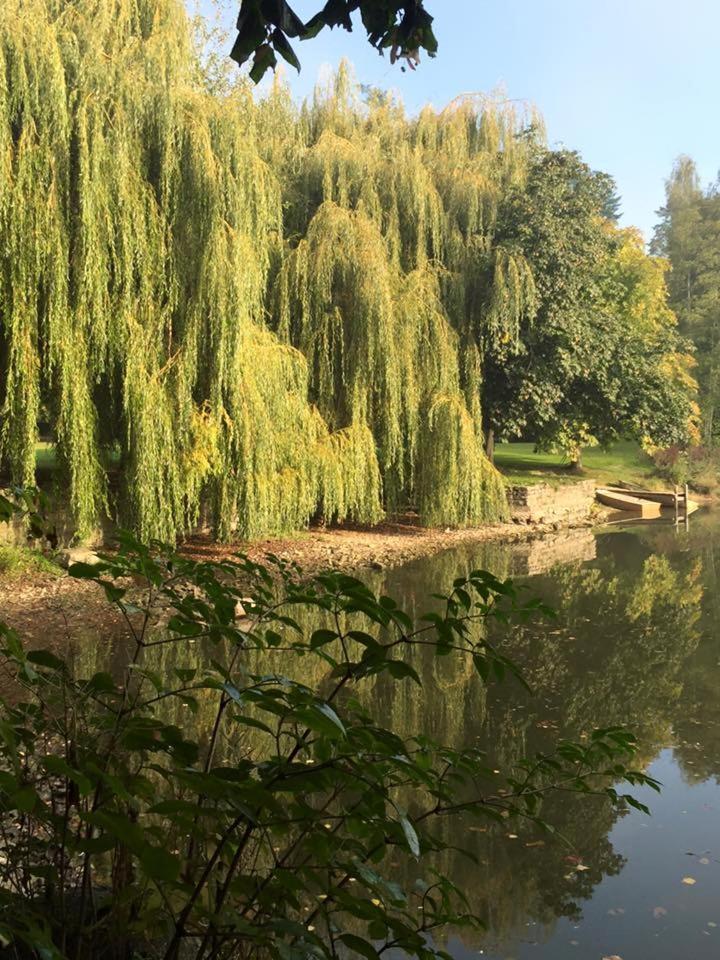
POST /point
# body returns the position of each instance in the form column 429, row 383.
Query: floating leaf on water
column 690, row 881
column 703, row 860
column 582, row 866
column 659, row 912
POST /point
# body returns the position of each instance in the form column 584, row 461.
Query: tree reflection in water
column 633, row 644
column 625, row 649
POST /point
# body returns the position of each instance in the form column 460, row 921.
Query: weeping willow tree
column 233, row 309
column 138, row 222
column 395, row 283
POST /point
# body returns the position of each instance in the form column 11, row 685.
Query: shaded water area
column 636, row 642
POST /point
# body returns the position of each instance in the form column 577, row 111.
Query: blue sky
column 629, row 83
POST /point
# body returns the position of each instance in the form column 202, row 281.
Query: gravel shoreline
column 387, row 545
column 54, row 611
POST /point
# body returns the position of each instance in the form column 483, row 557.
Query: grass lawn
column 623, row 461
column 20, row 561
column 45, row 456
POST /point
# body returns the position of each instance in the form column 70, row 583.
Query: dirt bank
column 388, row 545
column 55, row 610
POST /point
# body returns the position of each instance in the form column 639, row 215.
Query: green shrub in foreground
column 124, row 835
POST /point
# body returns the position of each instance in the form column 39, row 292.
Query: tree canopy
column 243, row 312
column 688, row 234
column 600, row 356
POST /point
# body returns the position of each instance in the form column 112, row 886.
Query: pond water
column 637, row 642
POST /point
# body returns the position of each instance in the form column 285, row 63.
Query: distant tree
column 402, row 26
column 688, row 234
column 610, row 199
column 555, row 221
column 601, row 357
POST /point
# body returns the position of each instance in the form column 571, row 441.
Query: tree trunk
column 576, row 462
column 490, row 444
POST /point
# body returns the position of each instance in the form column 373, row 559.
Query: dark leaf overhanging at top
column 265, row 26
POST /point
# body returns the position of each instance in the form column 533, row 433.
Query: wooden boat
column 645, row 509
column 665, row 497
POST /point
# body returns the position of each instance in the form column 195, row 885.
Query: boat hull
column 645, row 509
column 664, row 497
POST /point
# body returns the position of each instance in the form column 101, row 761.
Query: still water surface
column 637, row 642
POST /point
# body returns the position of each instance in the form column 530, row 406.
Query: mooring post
column 677, row 505
column 687, row 508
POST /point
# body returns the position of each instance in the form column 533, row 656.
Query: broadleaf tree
column 600, row 357
column 238, row 310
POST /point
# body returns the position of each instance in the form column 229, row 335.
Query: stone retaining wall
column 59, row 523
column 541, row 503
column 13, row 533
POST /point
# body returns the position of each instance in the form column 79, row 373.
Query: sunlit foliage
column 688, row 234
column 152, row 218
column 138, row 221
column 395, row 281
column 232, row 310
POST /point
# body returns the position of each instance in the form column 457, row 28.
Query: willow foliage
column 395, row 283
column 138, row 221
column 152, row 223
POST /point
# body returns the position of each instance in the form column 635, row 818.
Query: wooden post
column 677, row 506
column 687, row 511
